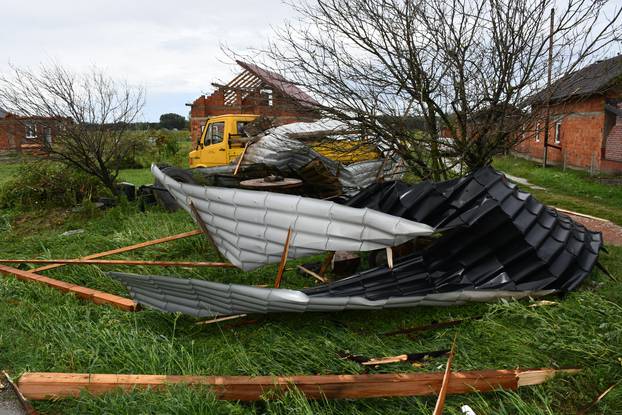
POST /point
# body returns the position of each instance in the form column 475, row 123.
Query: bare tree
column 459, row 69
column 90, row 112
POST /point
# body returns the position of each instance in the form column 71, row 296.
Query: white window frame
column 558, row 127
column 269, row 95
column 31, row 130
column 537, row 132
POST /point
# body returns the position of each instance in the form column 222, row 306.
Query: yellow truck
column 223, row 140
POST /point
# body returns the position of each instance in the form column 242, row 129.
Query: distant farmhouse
column 23, row 134
column 254, row 91
column 585, row 129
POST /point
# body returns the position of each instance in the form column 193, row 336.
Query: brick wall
column 13, row 131
column 283, row 109
column 581, row 134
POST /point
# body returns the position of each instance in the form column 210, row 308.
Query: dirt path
column 612, row 233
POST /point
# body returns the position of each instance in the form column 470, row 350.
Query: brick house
column 254, row 91
column 25, row 134
column 585, row 128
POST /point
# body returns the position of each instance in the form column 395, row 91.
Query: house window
column 558, row 137
column 268, row 96
column 31, row 131
column 537, row 132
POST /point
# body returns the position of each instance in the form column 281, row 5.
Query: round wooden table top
column 263, row 184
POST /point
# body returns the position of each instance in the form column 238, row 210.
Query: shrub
column 48, row 184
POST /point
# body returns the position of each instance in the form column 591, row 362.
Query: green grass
column 45, row 330
column 570, row 189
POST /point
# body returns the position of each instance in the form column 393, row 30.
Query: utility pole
column 548, row 91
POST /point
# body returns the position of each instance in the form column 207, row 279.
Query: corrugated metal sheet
column 250, row 227
column 207, row 299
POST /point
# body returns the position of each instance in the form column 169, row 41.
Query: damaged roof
column 279, row 83
column 496, row 242
column 593, row 79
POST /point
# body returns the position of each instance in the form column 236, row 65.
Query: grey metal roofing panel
column 210, row 299
column 277, row 149
column 250, row 227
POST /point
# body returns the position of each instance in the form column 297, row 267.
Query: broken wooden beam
column 281, row 269
column 313, row 274
column 440, row 401
column 119, row 262
column 126, row 248
column 98, row 297
column 38, row 385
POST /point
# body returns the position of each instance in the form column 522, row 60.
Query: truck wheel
column 163, row 197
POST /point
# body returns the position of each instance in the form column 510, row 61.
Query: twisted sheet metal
column 500, row 238
column 276, row 149
column 250, row 227
column 499, row 242
column 200, row 298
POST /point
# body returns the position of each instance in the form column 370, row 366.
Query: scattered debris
column 410, row 357
column 440, row 402
column 467, row 410
column 279, row 274
column 345, row 262
column 218, row 320
column 98, row 297
column 72, row 232
column 12, row 402
column 119, row 262
column 543, row 303
column 41, row 385
column 313, row 274
column 126, row 248
column 597, row 399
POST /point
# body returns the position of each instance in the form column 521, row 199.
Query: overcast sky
column 172, row 48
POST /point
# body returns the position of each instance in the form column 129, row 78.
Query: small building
column 585, row 122
column 25, row 134
column 254, row 91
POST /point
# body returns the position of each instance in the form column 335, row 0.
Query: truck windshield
column 217, row 132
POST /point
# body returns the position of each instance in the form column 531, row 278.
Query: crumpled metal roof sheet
column 250, row 227
column 499, row 242
column 200, row 298
column 276, row 149
column 500, row 238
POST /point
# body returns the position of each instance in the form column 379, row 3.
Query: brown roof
column 593, row 79
column 280, row 83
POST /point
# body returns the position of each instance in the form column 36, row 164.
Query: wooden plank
column 219, row 319
column 313, row 274
column 279, row 274
column 38, row 386
column 126, row 248
column 440, row 401
column 237, row 166
column 203, row 226
column 326, row 264
column 120, row 262
column 98, row 297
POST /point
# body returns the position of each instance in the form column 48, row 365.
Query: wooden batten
column 98, row 297
column 37, row 386
column 126, row 248
column 120, row 262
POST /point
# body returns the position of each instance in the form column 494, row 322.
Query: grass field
column 44, row 330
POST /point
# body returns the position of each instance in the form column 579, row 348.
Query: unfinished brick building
column 585, row 128
column 23, row 134
column 254, row 91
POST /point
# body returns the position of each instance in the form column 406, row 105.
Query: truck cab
column 221, row 141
